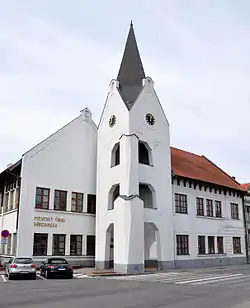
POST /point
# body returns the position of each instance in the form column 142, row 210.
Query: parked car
column 20, row 266
column 56, row 267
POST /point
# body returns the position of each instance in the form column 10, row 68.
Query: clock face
column 150, row 119
column 112, row 121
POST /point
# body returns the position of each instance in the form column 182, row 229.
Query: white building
column 154, row 205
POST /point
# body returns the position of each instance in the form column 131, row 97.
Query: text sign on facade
column 4, row 240
column 47, row 222
column 5, row 234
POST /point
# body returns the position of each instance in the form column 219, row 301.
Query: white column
column 67, row 245
column 49, row 244
column 84, row 245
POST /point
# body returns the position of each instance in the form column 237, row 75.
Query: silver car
column 20, row 266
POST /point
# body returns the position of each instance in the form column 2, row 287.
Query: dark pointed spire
column 131, row 70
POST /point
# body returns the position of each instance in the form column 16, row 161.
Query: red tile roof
column 198, row 167
column 245, row 186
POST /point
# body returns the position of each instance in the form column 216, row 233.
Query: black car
column 56, row 267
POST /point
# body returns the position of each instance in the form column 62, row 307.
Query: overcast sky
column 59, row 56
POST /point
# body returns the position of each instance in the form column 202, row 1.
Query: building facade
column 117, row 194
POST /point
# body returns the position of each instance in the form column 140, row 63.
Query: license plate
column 24, row 272
column 61, row 269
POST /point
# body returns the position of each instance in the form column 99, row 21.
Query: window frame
column 218, row 208
column 181, row 203
column 74, row 252
column 43, row 189
column 209, row 208
column 200, row 211
column 235, row 211
column 91, row 204
column 61, row 199
column 46, row 235
column 78, row 209
column 211, row 249
column 237, row 250
column 203, row 242
column 220, row 245
column 182, row 245
column 90, row 252
column 54, row 250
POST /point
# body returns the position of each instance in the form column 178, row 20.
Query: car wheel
column 33, row 277
column 70, row 276
column 47, row 275
column 10, row 277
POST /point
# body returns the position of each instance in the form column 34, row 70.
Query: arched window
column 147, row 194
column 114, row 193
column 115, row 155
column 144, row 153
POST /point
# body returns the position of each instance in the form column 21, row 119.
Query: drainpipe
column 245, row 227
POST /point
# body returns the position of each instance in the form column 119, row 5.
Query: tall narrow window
column 90, row 245
column 58, row 244
column 42, row 198
column 181, row 203
column 236, row 245
column 200, row 206
column 211, row 249
column 234, row 211
column 77, row 202
column 218, row 211
column 210, row 212
column 40, row 244
column 115, row 155
column 182, row 245
column 60, row 202
column 91, row 204
column 220, row 245
column 75, row 245
column 146, row 194
column 201, row 245
column 144, row 153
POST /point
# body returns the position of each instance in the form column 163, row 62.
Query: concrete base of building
column 166, row 265
column 209, row 262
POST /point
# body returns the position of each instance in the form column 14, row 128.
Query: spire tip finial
column 131, row 23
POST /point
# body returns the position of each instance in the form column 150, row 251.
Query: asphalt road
column 231, row 291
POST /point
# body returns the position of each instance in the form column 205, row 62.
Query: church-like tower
column 134, row 219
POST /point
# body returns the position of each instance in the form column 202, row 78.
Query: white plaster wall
column 159, row 176
column 8, row 221
column 193, row 225
column 66, row 161
column 107, row 176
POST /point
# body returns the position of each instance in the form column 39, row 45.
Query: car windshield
column 57, row 261
column 23, row 261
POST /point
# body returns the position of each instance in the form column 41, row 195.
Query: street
column 224, row 288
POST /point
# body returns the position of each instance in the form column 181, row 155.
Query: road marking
column 4, row 278
column 208, row 278
column 41, row 277
column 217, row 280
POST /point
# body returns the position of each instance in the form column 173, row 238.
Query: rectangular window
column 218, row 211
column 60, row 202
column 77, row 202
column 211, row 249
column 90, row 245
column 58, row 248
column 40, row 244
column 200, row 206
column 234, row 211
column 182, row 245
column 201, row 245
column 181, row 203
column 42, row 198
column 6, row 202
column 210, row 212
column 17, row 197
column 220, row 245
column 75, row 245
column 91, row 204
column 11, row 200
column 237, row 245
